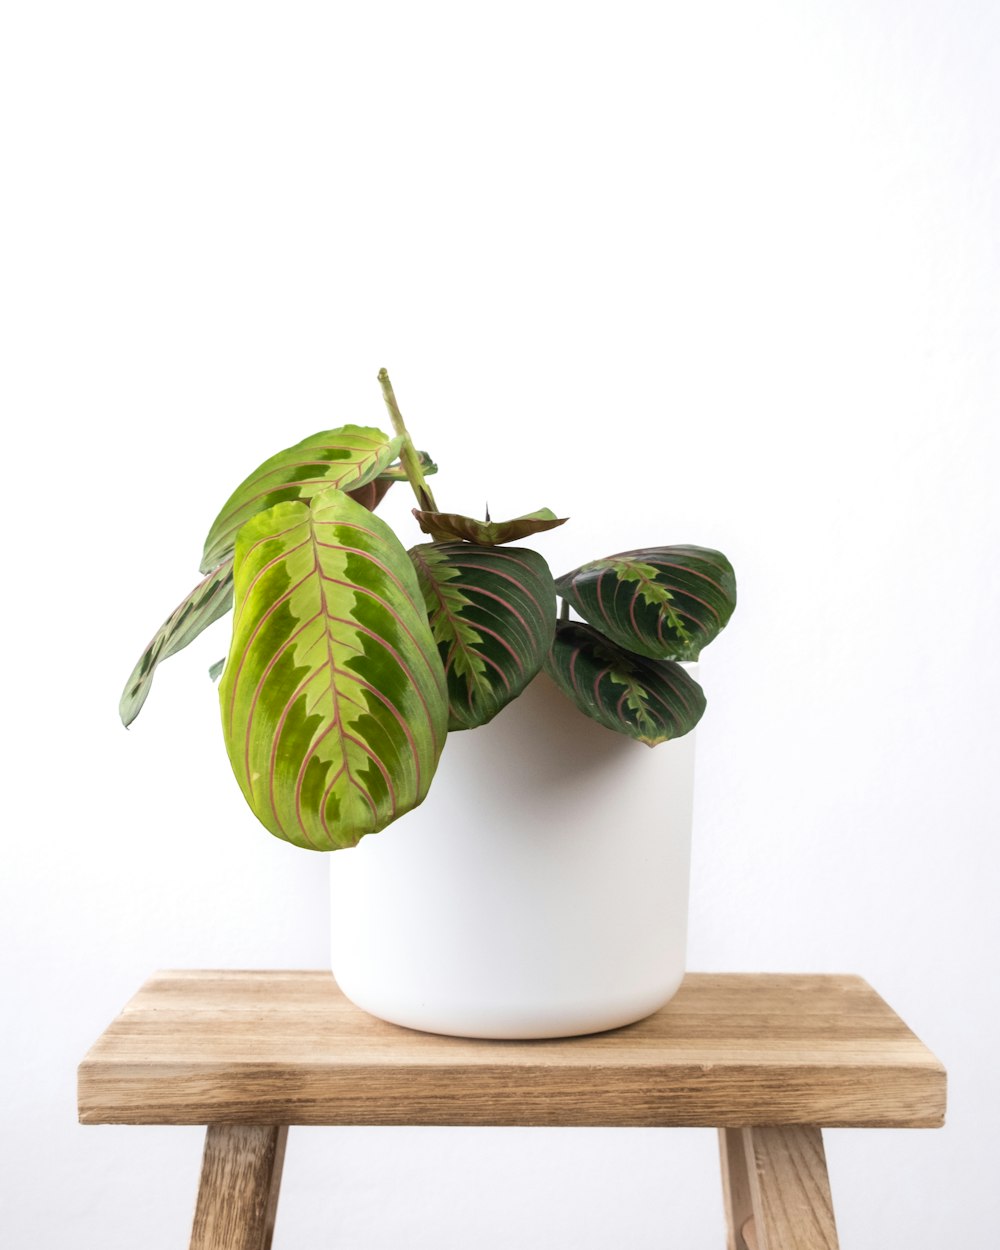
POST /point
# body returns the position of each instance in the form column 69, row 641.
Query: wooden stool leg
column 736, row 1195
column 785, row 1169
column 240, row 1180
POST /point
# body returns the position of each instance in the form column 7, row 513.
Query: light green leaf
column 333, row 698
column 347, row 457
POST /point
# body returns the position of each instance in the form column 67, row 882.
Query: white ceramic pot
column 540, row 890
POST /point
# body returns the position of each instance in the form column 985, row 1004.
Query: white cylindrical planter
column 539, row 891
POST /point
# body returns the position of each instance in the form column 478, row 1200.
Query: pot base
column 513, row 1021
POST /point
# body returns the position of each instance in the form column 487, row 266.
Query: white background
column 716, row 273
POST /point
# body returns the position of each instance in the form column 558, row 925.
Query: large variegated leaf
column 452, row 525
column 493, row 613
column 347, row 458
column 650, row 700
column 209, row 600
column 662, row 602
column 334, row 703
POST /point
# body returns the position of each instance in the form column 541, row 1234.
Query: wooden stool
column 768, row 1060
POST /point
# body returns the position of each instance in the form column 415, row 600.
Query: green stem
column 408, row 457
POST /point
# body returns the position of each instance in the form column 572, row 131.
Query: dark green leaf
column 209, row 600
column 663, row 602
column 650, row 700
column 492, row 612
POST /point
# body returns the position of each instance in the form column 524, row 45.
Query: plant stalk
column 408, row 457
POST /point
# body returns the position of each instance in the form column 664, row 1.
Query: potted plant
column 354, row 660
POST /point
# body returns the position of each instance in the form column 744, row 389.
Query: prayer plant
column 352, row 658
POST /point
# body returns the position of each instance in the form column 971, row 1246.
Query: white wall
column 719, row 273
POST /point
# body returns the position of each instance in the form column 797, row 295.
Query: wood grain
column 793, row 1209
column 240, row 1180
column 737, row 1198
column 729, row 1050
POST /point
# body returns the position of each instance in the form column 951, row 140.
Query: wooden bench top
column 729, row 1050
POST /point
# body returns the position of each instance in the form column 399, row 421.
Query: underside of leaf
column 454, row 526
column 333, row 698
column 492, row 612
column 348, row 458
column 372, row 493
column 210, row 599
column 663, row 602
column 649, row 700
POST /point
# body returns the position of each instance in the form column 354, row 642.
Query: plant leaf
column 347, row 457
column 213, row 597
column 492, row 613
column 334, row 702
column 663, row 602
column 451, row 525
column 650, row 700
column 215, row 670
column 210, row 599
column 372, row 493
